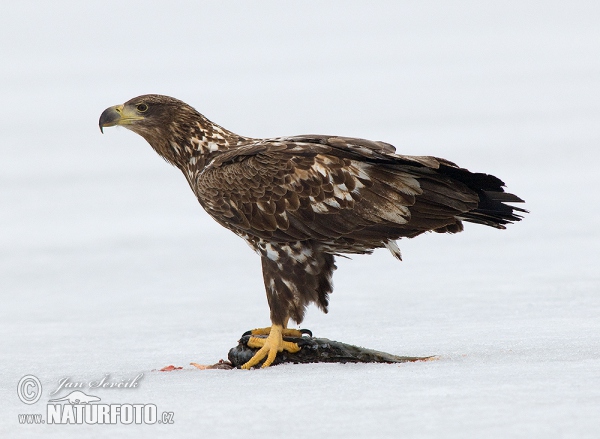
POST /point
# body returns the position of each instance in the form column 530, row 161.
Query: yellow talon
column 270, row 346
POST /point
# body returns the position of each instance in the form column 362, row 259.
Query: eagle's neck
column 191, row 143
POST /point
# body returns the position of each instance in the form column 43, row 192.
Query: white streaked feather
column 392, row 246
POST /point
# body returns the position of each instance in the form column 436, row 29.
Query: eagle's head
column 149, row 115
column 173, row 128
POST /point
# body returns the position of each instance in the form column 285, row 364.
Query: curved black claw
column 306, row 332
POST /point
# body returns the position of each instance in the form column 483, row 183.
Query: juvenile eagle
column 300, row 201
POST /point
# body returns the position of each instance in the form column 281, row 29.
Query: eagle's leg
column 295, row 275
column 269, row 347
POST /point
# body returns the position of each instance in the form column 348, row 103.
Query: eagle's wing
column 330, row 188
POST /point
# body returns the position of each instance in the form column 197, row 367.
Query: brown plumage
column 299, row 201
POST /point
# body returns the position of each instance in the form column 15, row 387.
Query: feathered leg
column 295, row 275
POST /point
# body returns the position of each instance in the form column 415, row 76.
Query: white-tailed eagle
column 300, row 201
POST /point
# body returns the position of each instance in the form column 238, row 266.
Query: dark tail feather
column 491, row 210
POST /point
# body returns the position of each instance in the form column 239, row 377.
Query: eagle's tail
column 491, row 209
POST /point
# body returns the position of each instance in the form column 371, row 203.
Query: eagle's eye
column 142, row 108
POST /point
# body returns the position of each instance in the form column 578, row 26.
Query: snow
column 109, row 265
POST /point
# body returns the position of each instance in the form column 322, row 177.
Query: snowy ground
column 109, row 266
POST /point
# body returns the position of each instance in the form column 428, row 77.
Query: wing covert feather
column 277, row 193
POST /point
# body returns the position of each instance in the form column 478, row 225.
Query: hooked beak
column 118, row 115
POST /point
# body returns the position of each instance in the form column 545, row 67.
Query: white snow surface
column 108, row 265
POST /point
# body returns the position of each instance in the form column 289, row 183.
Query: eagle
column 301, row 201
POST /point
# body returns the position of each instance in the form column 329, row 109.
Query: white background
column 108, row 265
